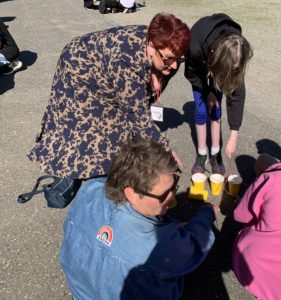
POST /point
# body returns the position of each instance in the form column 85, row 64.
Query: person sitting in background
column 9, row 52
column 90, row 4
column 87, row 3
column 119, row 244
column 256, row 253
column 125, row 6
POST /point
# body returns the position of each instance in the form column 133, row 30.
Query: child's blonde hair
column 227, row 62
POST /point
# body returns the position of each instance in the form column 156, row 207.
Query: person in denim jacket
column 119, row 244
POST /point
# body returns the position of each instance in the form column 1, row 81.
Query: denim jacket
column 112, row 252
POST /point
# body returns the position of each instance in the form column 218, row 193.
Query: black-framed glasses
column 164, row 196
column 167, row 61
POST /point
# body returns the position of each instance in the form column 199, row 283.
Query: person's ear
column 150, row 52
column 131, row 195
column 150, row 44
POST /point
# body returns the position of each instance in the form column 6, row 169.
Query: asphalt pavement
column 30, row 234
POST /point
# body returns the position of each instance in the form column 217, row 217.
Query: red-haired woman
column 101, row 95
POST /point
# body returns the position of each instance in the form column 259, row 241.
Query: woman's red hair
column 167, row 31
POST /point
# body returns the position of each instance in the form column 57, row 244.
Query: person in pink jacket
column 257, row 249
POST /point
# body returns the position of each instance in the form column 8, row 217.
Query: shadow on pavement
column 28, row 58
column 270, row 147
column 172, row 119
column 6, row 19
column 188, row 118
column 7, row 83
column 246, row 168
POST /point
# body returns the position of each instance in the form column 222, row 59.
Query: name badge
column 157, row 113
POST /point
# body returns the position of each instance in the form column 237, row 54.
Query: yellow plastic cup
column 216, row 181
column 196, row 194
column 199, row 180
column 234, row 182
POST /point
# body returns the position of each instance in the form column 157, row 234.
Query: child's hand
column 212, row 102
column 230, row 148
column 231, row 144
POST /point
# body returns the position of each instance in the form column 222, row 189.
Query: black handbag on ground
column 58, row 193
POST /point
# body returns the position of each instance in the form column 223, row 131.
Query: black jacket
column 203, row 33
column 8, row 46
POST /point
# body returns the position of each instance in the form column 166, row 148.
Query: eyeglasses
column 167, row 61
column 164, row 196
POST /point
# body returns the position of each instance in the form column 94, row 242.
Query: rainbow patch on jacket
column 105, row 235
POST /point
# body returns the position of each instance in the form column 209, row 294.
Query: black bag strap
column 23, row 198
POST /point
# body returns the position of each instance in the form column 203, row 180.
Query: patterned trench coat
column 98, row 100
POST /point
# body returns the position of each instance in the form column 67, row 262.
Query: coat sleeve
column 194, row 68
column 131, row 92
column 9, row 47
column 235, row 108
column 196, row 65
column 184, row 248
column 201, row 235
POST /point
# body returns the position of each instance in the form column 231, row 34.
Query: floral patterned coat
column 99, row 99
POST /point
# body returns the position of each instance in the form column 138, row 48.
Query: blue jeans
column 201, row 114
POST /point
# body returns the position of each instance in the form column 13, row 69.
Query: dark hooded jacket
column 203, row 33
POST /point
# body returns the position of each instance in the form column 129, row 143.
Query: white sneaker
column 14, row 66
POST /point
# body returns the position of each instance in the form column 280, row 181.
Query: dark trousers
column 104, row 4
column 8, row 46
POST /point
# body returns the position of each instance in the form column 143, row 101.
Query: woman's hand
column 212, row 102
column 231, row 144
